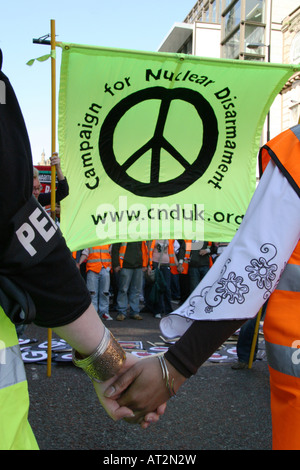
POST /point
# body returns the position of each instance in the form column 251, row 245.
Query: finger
column 151, row 418
column 115, row 411
column 121, row 384
column 136, row 418
column 161, row 409
column 122, row 413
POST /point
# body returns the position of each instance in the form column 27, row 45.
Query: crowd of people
column 119, row 278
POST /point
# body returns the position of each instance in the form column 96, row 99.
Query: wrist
column 179, row 379
column 170, row 376
column 105, row 362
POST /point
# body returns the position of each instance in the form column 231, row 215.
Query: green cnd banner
column 159, row 146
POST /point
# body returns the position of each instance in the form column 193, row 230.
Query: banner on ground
column 159, row 146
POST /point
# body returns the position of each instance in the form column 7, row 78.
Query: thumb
column 122, row 383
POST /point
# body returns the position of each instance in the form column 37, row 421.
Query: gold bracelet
column 105, row 361
column 166, row 376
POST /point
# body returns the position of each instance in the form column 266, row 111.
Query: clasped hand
column 138, row 394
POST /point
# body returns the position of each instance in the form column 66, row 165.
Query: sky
column 128, row 24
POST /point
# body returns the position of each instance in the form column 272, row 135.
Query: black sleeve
column 198, row 343
column 115, row 247
column 62, row 191
column 181, row 251
column 56, row 287
column 54, row 284
column 16, row 177
column 213, row 249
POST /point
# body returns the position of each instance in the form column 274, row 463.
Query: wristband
column 105, row 361
column 166, row 377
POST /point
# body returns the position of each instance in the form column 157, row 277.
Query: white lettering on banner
column 26, row 233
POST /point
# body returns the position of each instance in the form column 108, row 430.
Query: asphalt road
column 217, row 409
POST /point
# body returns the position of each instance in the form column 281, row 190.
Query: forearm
column 199, row 342
column 85, row 333
column 247, row 272
column 62, row 190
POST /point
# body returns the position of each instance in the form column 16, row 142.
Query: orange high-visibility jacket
column 186, row 260
column 98, row 258
column 282, row 321
column 171, row 253
column 188, row 248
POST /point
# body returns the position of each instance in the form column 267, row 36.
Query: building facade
column 291, row 54
column 245, row 30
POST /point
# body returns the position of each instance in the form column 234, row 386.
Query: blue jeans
column 196, row 274
column 98, row 285
column 130, row 285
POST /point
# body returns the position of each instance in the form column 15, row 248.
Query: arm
column 55, row 160
column 181, row 255
column 274, row 198
column 115, row 256
column 183, row 359
column 82, row 326
column 83, row 257
column 62, row 189
column 84, row 335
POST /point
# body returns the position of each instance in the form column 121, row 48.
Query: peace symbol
column 191, row 171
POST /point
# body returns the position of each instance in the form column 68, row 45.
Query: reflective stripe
column 290, row 279
column 296, row 131
column 12, row 369
column 284, row 359
column 98, row 260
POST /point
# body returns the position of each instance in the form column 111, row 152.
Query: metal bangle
column 105, row 361
column 166, row 376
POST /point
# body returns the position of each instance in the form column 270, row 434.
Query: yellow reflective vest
column 15, row 430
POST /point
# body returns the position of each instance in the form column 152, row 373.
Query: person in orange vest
column 162, row 254
column 261, row 263
column 98, row 267
column 194, row 258
column 129, row 260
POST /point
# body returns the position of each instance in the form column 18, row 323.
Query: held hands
column 111, row 403
column 143, row 390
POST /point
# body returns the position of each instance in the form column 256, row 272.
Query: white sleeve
column 248, row 270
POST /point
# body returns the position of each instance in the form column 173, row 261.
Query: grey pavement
column 217, row 409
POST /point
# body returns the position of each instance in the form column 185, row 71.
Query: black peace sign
column 191, row 171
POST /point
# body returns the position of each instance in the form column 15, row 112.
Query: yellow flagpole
column 53, row 150
column 255, row 335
